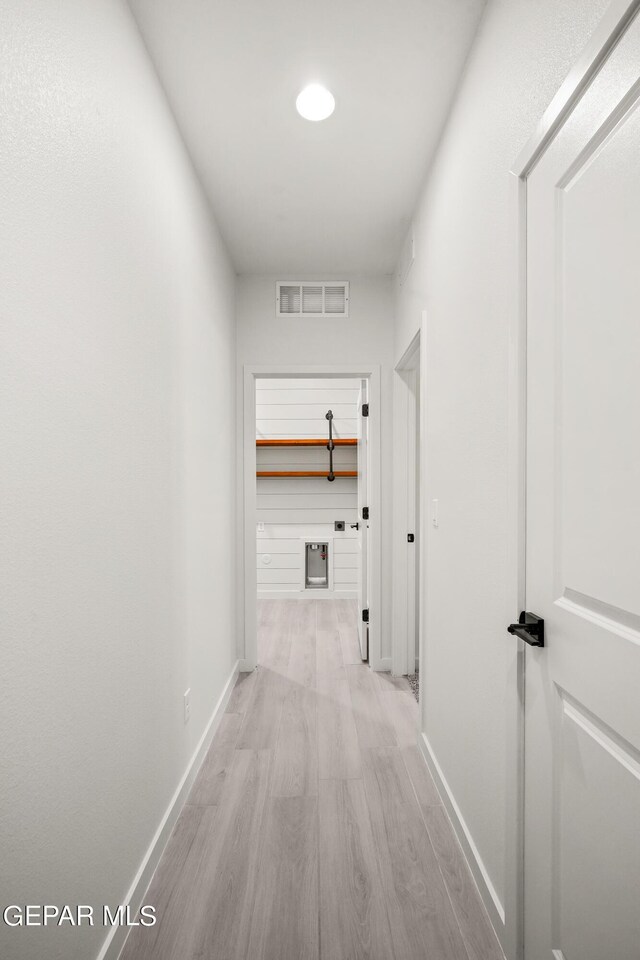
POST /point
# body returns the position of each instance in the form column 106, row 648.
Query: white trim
column 411, row 356
column 407, row 371
column 247, row 625
column 384, row 665
column 513, row 933
column 423, row 533
column 399, row 666
column 115, row 939
column 480, row 873
column 413, row 451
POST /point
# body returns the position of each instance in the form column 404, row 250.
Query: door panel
column 599, row 355
column 597, row 798
column 582, row 712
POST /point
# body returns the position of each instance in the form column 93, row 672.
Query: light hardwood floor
column 314, row 830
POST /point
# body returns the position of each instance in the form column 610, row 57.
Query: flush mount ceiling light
column 315, row 102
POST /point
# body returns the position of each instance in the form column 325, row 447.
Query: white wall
column 365, row 337
column 118, row 474
column 464, row 243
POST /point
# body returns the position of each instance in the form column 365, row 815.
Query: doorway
column 337, row 553
column 310, row 481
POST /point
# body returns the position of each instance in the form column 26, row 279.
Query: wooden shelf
column 306, row 473
column 306, row 442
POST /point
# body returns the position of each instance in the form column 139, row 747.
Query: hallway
column 250, row 249
column 313, row 828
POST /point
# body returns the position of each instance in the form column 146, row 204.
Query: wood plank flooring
column 314, row 830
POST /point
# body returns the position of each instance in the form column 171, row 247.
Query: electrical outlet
column 187, row 705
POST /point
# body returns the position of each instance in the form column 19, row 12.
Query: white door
column 363, row 522
column 582, row 690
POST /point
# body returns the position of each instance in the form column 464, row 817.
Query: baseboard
column 383, row 665
column 115, row 940
column 491, row 900
column 245, row 666
column 307, row 595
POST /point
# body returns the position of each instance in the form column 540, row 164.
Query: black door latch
column 529, row 628
column 410, row 538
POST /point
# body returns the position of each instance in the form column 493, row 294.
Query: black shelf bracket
column 331, row 475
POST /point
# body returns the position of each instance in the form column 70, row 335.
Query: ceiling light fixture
column 315, row 102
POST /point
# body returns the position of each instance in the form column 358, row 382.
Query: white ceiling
column 291, row 196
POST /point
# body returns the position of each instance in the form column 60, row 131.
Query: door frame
column 362, row 495
column 407, row 450
column 248, row 586
column 606, row 35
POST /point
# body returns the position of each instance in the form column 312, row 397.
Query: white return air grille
column 312, row 299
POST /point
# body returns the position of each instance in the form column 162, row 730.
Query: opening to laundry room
column 311, row 493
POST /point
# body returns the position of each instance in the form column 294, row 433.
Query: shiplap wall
column 280, row 560
column 292, row 510
column 297, row 408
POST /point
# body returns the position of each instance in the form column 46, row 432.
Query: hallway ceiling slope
column 292, row 196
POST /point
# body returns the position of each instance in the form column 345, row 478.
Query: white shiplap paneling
column 267, row 429
column 296, row 409
column 280, row 559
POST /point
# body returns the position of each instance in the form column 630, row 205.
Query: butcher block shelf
column 306, row 473
column 307, row 442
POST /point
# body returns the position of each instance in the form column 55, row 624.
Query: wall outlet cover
column 339, row 525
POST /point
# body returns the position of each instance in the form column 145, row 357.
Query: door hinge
column 365, row 409
column 411, row 538
column 365, row 513
column 365, row 616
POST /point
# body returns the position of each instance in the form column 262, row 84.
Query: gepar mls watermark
column 78, row 915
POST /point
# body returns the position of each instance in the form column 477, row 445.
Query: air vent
column 295, row 299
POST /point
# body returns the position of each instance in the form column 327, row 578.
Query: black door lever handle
column 529, row 628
